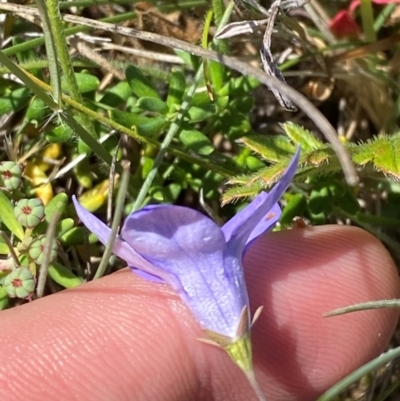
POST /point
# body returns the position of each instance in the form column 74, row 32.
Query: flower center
column 17, row 282
column 26, row 210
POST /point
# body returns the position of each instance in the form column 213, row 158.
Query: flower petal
column 191, row 247
column 121, row 248
column 254, row 220
column 265, row 224
column 343, row 25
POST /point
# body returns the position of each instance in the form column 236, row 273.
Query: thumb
column 123, row 338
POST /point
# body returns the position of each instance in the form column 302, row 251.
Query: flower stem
column 251, row 377
column 367, row 18
column 119, row 209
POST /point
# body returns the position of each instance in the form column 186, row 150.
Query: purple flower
column 201, row 261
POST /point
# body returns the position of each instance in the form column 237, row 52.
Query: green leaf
column 59, row 134
column 383, row 153
column 217, row 74
column 176, row 90
column 61, row 275
column 243, row 192
column 8, row 218
column 235, row 124
column 3, row 247
column 167, row 194
column 15, row 101
column 295, row 207
column 272, row 148
column 152, row 104
column 64, row 226
column 86, row 82
column 145, row 126
column 320, row 201
column 76, row 236
column 57, row 204
column 253, row 163
column 302, row 137
column 117, row 95
column 343, row 197
column 3, row 298
column 140, row 85
column 239, row 86
column 196, row 141
column 202, row 112
column 36, row 112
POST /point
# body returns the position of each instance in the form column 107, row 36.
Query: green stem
column 51, row 53
column 383, row 16
column 218, row 8
column 60, row 43
column 358, row 374
column 367, row 17
column 119, row 209
column 378, row 220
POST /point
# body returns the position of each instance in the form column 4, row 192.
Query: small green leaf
column 176, row 90
column 15, row 101
column 117, row 95
column 202, row 112
column 76, row 236
column 145, row 126
column 239, row 86
column 61, row 275
column 86, row 82
column 3, row 298
column 253, row 163
column 59, row 134
column 272, row 148
column 152, row 104
column 235, row 124
column 217, row 74
column 343, row 197
column 383, row 152
column 302, row 137
column 57, row 204
column 192, row 61
column 64, row 226
column 320, row 200
column 8, row 218
column 167, row 194
column 3, row 247
column 140, row 85
column 36, row 112
column 83, row 173
column 242, row 192
column 295, row 207
column 196, row 141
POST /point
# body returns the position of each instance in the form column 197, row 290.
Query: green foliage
column 8, row 218
column 318, row 160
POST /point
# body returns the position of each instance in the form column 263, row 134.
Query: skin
column 123, row 338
